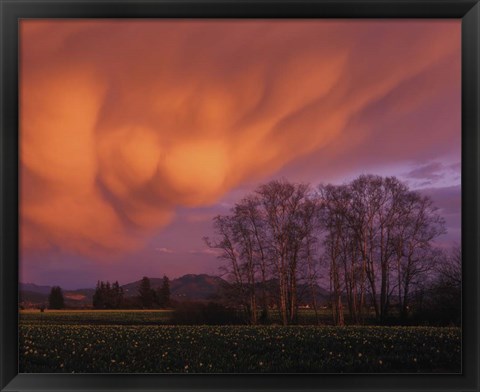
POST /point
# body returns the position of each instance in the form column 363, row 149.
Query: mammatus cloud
column 124, row 121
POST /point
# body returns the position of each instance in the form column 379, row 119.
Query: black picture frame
column 13, row 10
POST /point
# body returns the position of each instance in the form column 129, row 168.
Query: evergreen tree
column 146, row 293
column 97, row 300
column 55, row 299
column 164, row 293
column 117, row 296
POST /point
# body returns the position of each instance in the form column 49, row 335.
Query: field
column 128, row 342
column 89, row 317
column 147, row 317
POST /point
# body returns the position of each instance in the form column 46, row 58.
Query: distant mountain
column 31, row 297
column 188, row 287
column 191, row 287
column 322, row 295
column 195, row 287
column 203, row 287
column 31, row 294
column 34, row 288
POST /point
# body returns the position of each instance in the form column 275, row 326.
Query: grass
column 146, row 317
column 96, row 317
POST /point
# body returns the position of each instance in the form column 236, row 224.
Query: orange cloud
column 123, row 121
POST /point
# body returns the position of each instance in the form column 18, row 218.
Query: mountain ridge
column 188, row 287
column 192, row 287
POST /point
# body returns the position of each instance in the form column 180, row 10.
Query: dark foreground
column 237, row 349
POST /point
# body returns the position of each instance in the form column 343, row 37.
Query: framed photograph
column 264, row 195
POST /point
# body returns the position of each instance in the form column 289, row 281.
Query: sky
column 135, row 133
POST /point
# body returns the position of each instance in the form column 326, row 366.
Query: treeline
column 111, row 296
column 371, row 240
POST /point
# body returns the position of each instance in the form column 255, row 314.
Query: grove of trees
column 149, row 297
column 371, row 240
column 112, row 296
column 108, row 296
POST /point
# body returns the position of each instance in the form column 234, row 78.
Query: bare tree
column 450, row 267
column 224, row 227
column 269, row 235
column 438, row 300
column 379, row 239
column 249, row 207
column 287, row 206
column 419, row 224
column 244, row 237
column 336, row 201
